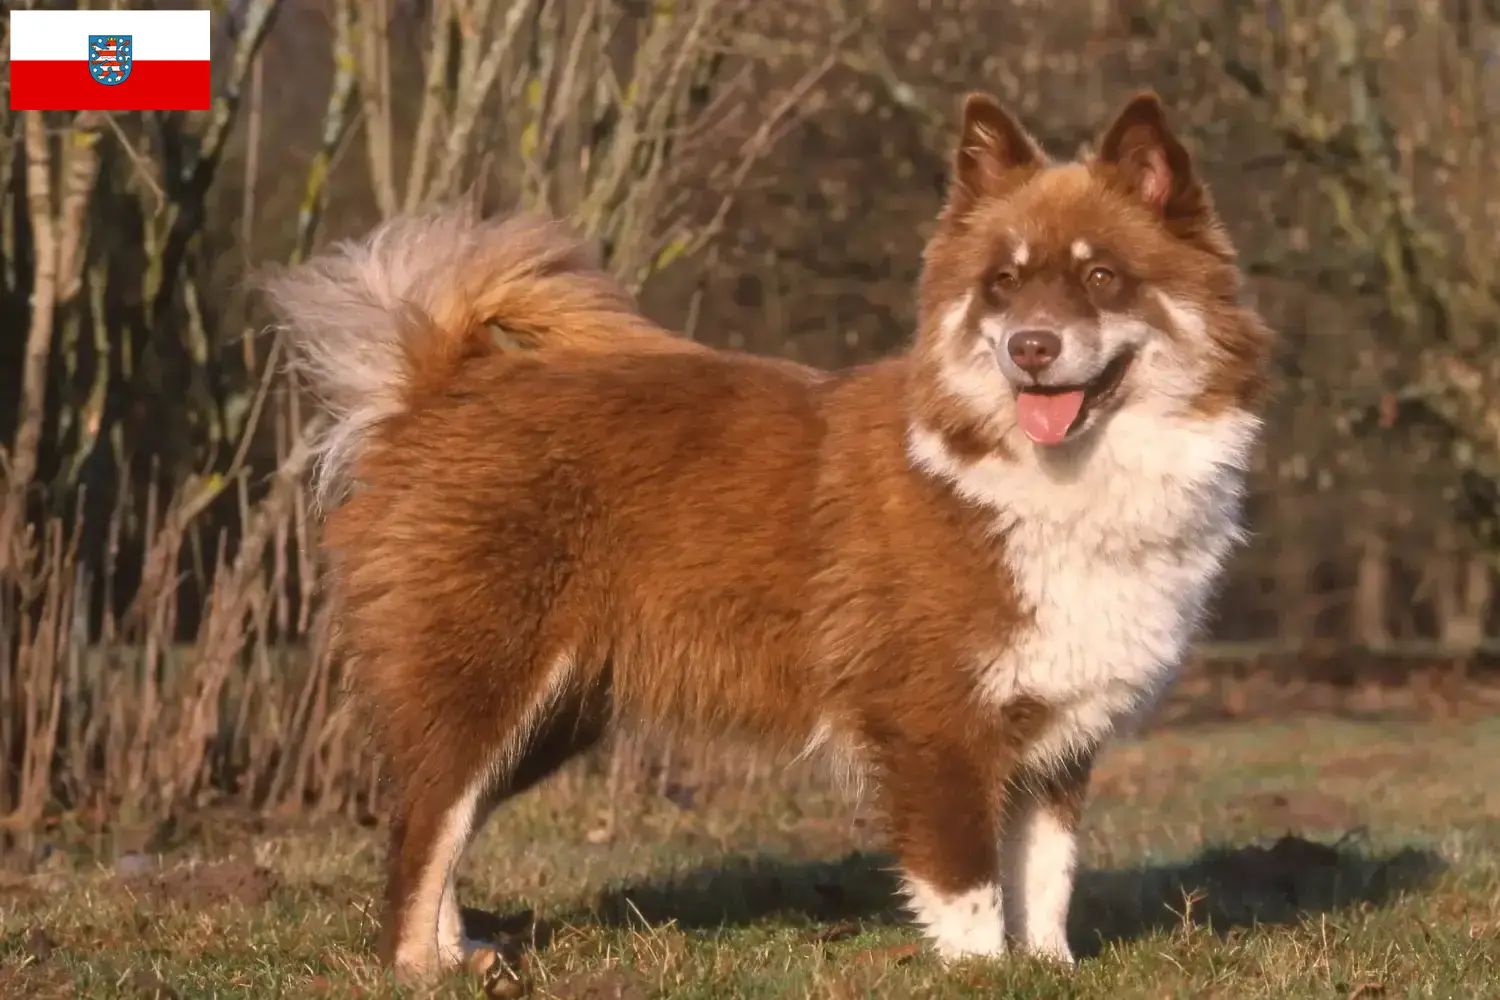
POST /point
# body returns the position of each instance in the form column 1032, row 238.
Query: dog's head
column 1056, row 294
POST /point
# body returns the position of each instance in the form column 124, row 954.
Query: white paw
column 1053, row 947
column 966, row 925
column 951, row 954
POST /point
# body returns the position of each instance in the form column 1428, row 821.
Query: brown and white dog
column 958, row 569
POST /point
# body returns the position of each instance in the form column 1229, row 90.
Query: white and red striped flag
column 109, row 60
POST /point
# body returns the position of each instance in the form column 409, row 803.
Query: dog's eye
column 1100, row 277
column 1007, row 281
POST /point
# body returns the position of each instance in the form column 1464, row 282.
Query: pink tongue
column 1046, row 417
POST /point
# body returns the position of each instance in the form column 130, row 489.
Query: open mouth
column 1048, row 414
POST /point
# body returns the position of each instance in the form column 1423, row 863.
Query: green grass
column 1185, row 895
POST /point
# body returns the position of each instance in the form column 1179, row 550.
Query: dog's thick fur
column 616, row 525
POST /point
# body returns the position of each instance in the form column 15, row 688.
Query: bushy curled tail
column 371, row 322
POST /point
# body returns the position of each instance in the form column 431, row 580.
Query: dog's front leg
column 1039, row 855
column 944, row 816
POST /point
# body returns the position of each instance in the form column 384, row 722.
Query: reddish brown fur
column 687, row 538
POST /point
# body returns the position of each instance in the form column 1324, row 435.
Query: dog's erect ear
column 1150, row 161
column 994, row 155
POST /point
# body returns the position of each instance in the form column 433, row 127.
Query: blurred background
column 764, row 173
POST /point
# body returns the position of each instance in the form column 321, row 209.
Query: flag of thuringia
column 109, row 60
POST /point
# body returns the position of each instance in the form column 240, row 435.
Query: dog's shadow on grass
column 1222, row 889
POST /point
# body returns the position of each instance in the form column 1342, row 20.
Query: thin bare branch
column 373, row 64
column 439, row 54
column 473, row 92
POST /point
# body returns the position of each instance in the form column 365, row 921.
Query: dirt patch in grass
column 36, row 982
column 149, row 986
column 197, row 885
column 40, row 944
column 606, row 984
column 18, row 890
column 29, row 968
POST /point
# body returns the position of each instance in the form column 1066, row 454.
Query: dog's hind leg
column 454, row 762
column 439, row 811
column 577, row 725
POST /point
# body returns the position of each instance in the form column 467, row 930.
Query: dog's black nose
column 1034, row 350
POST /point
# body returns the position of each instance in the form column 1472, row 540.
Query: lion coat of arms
column 110, row 58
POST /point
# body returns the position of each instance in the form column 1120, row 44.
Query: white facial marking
column 1086, row 350
column 1169, row 373
column 971, row 375
column 1039, row 858
column 1082, row 251
column 1175, row 372
column 1188, row 321
column 971, row 923
column 1021, row 255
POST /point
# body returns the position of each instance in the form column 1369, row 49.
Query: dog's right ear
column 994, row 156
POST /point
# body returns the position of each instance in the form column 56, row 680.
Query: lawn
column 1313, row 857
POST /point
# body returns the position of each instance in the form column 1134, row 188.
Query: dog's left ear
column 1150, row 161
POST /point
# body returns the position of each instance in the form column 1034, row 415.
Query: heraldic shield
column 110, row 58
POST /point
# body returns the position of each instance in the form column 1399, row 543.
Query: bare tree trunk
column 22, row 465
column 1372, row 592
column 1461, row 583
column 1292, row 571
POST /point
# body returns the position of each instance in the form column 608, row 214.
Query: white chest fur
column 1115, row 546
